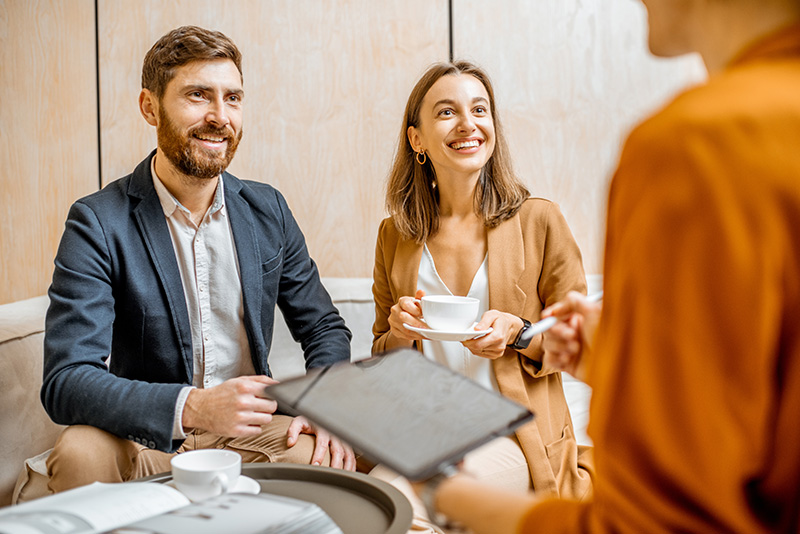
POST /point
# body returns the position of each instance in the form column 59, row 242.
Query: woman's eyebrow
column 452, row 102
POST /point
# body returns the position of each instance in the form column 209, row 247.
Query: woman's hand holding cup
column 407, row 311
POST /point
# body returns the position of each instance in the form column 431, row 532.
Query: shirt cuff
column 177, row 425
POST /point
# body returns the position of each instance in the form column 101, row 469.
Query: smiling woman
column 413, row 204
column 456, row 128
column 463, row 224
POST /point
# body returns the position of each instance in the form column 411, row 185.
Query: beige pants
column 500, row 462
column 85, row 454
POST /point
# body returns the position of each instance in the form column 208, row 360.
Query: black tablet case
column 401, row 410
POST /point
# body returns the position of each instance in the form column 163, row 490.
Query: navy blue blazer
column 117, row 292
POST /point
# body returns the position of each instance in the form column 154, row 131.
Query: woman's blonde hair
column 411, row 198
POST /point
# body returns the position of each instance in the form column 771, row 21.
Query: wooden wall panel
column 571, row 78
column 48, row 133
column 325, row 83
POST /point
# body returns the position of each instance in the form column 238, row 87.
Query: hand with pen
column 570, row 337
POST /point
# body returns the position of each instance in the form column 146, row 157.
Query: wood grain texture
column 325, row 82
column 571, row 78
column 48, row 133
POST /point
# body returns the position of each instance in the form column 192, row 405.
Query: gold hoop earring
column 424, row 157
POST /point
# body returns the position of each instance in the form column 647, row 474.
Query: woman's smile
column 456, row 127
column 466, row 146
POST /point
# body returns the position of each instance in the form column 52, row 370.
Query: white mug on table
column 206, row 473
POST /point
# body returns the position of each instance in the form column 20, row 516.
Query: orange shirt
column 695, row 413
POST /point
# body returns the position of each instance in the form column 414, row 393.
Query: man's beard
column 190, row 159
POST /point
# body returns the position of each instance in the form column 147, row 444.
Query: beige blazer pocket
column 557, row 450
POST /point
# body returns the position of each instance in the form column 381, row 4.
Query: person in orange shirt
column 695, row 359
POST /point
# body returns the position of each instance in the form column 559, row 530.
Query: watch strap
column 521, row 342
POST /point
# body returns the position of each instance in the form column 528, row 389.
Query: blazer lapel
column 153, row 226
column 405, row 269
column 506, row 265
column 249, row 256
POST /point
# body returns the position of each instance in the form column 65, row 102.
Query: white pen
column 546, row 324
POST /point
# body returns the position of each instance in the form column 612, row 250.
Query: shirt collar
column 168, row 201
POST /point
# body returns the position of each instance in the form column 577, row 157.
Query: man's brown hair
column 181, row 46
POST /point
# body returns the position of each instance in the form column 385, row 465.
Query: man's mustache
column 224, row 132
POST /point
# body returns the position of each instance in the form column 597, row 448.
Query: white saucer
column 445, row 335
column 244, row 484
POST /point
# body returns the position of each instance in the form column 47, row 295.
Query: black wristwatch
column 522, row 342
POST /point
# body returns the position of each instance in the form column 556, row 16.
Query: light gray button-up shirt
column 206, row 255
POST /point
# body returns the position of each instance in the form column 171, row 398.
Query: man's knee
column 303, row 451
column 85, row 454
column 271, row 445
column 81, row 444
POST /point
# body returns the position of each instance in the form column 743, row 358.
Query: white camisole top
column 453, row 354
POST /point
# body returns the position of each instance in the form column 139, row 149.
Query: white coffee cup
column 448, row 312
column 206, row 473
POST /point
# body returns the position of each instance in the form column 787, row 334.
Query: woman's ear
column 414, row 138
column 148, row 107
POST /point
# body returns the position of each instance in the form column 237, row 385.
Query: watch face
column 522, row 340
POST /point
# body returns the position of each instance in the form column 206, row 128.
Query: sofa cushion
column 26, row 428
column 33, row 479
column 353, row 298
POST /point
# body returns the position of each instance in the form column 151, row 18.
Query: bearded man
column 165, row 285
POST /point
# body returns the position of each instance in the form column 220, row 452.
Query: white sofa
column 25, row 428
column 28, row 434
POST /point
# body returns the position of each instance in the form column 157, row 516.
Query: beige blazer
column 533, row 261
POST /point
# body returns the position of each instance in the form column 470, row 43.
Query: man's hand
column 570, row 339
column 237, row 407
column 342, row 456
